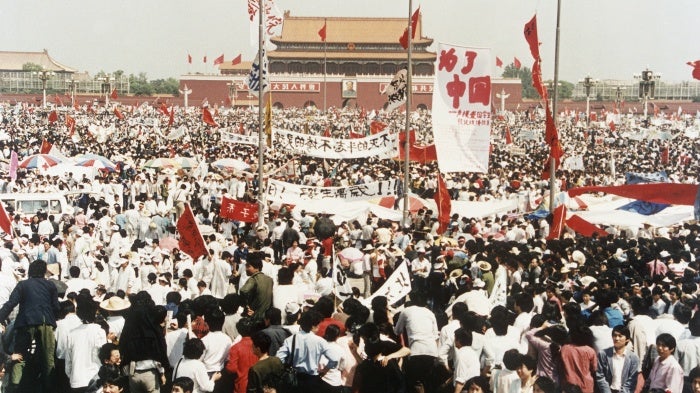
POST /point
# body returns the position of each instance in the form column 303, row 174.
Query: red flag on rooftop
column 516, row 63
column 530, row 32
column 238, row 211
column 191, row 241
column 403, row 40
column 499, row 62
column 236, row 60
column 205, row 58
column 53, row 117
column 118, row 113
column 5, row 222
column 207, row 118
column 189, row 58
column 114, row 95
column 322, row 32
column 444, row 204
column 219, row 60
column 45, row 147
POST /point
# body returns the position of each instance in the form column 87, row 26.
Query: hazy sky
column 608, row 39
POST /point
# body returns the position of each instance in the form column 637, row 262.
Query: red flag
column 76, row 107
column 70, row 123
column 585, row 228
column 422, row 154
column 207, row 118
column 509, row 137
column 612, row 126
column 57, row 100
column 163, row 108
column 53, row 117
column 516, row 63
column 114, row 95
column 537, row 80
column 444, row 204
column 530, row 32
column 327, row 133
column 118, row 113
column 411, row 137
column 241, row 129
column 45, row 147
column 322, row 32
column 191, row 241
column 171, row 120
column 668, row 193
column 189, row 58
column 557, row 222
column 356, row 135
column 594, row 116
column 205, row 58
column 403, row 40
column 5, row 222
column 551, row 135
column 664, row 155
column 696, row 68
column 219, row 60
column 499, row 62
column 376, row 127
column 238, row 211
column 236, row 60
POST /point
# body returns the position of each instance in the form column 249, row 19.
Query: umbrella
column 95, row 161
column 186, row 162
column 162, row 163
column 415, row 203
column 41, row 161
column 230, row 164
column 168, row 243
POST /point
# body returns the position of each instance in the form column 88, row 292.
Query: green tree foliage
column 525, row 76
column 166, row 86
column 31, row 67
column 139, row 85
column 566, row 90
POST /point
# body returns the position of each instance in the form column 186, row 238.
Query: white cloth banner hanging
column 295, row 193
column 380, row 145
column 395, row 288
column 462, row 108
column 232, row 137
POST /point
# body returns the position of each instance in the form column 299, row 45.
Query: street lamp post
column 44, row 77
column 588, row 82
column 647, row 85
column 72, row 85
column 232, row 93
column 618, row 97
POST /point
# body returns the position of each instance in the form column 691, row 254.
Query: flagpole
column 325, row 59
column 407, row 145
column 552, row 163
column 262, row 141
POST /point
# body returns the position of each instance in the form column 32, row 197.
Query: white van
column 28, row 204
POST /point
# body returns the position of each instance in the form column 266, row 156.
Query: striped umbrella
column 162, row 163
column 40, row 161
column 95, row 161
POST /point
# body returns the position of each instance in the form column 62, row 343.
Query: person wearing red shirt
column 240, row 356
column 324, row 306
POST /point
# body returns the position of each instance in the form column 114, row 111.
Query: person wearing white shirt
column 447, row 333
column 466, row 361
column 63, row 328
column 83, row 346
column 175, row 340
column 216, row 343
column 190, row 366
column 419, row 324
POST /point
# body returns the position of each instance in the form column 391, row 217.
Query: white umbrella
column 230, row 164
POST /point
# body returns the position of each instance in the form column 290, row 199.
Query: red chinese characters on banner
column 466, row 81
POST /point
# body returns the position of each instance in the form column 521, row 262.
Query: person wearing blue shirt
column 308, row 349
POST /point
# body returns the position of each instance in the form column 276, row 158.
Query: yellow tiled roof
column 351, row 55
column 13, row 61
column 346, row 29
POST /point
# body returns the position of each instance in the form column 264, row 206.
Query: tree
column 525, row 76
column 166, row 86
column 31, row 67
column 139, row 85
column 566, row 90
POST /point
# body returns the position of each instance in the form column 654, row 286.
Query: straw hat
column 115, row 303
column 483, row 265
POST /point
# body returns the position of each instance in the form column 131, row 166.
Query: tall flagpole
column 262, row 140
column 552, row 163
column 407, row 144
column 325, row 58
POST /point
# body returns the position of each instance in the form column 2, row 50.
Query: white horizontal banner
column 295, row 193
column 232, row 137
column 380, row 145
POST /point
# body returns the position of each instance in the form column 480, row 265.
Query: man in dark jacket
column 257, row 290
column 35, row 322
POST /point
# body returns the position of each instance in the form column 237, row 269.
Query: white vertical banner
column 462, row 108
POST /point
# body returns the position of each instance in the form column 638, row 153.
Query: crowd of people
column 103, row 299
